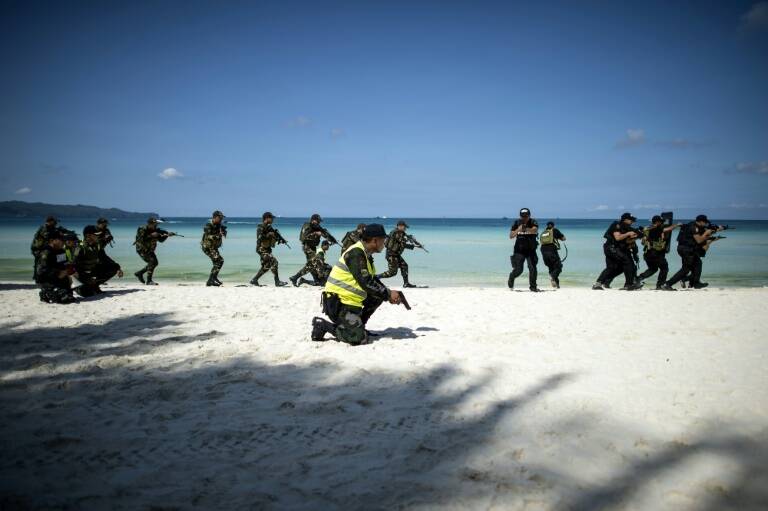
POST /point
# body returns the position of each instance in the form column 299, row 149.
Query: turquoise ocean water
column 463, row 252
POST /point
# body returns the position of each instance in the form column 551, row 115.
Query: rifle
column 280, row 239
column 167, row 234
column 416, row 243
column 328, row 236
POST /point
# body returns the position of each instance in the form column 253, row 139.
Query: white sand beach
column 186, row 397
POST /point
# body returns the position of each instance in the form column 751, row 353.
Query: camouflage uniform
column 105, row 238
column 94, row 267
column 40, row 242
column 396, row 244
column 317, row 267
column 349, row 239
column 49, row 262
column 146, row 245
column 310, row 242
column 266, row 239
column 213, row 236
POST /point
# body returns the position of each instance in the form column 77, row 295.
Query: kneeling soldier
column 52, row 272
column 317, row 267
column 352, row 292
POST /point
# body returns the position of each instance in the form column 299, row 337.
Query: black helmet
column 267, row 214
column 316, row 217
column 525, row 211
column 217, row 213
column 656, row 218
column 628, row 216
column 102, row 220
column 402, row 222
column 702, row 218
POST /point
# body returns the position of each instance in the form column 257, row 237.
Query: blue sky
column 464, row 109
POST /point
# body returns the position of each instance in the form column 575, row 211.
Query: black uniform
column 525, row 251
column 655, row 254
column 690, row 252
column 618, row 257
column 551, row 256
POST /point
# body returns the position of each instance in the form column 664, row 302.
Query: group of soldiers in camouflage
column 65, row 265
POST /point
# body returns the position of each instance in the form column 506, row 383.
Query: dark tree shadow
column 81, row 434
column 90, row 422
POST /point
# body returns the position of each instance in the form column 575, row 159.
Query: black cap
column 317, row 217
column 702, row 218
column 656, row 218
column 102, row 220
column 402, row 222
column 51, row 218
column 628, row 216
column 90, row 229
column 267, row 214
column 151, row 220
column 374, row 231
column 525, row 211
column 550, row 224
column 217, row 213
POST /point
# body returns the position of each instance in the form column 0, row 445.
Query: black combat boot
column 212, row 280
column 597, row 286
column 140, row 275
column 665, row 287
column 278, row 282
column 320, row 327
column 255, row 279
column 150, row 282
column 295, row 280
column 511, row 282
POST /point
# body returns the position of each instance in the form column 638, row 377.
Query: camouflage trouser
column 309, row 252
column 395, row 261
column 216, row 259
column 151, row 259
column 50, row 293
column 350, row 321
column 317, row 268
column 268, row 262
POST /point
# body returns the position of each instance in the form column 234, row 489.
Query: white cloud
column 647, row 206
column 299, row 122
column 170, row 173
column 754, row 167
column 601, row 207
column 23, row 191
column 757, row 17
column 337, row 133
column 635, row 137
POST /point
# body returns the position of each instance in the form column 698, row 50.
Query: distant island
column 20, row 209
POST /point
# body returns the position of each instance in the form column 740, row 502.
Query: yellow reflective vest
column 342, row 283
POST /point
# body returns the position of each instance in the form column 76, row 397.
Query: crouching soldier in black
column 52, row 272
column 352, row 293
column 692, row 244
column 655, row 247
column 94, row 266
column 524, row 232
column 550, row 245
column 618, row 255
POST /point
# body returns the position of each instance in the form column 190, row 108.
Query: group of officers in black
column 621, row 251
